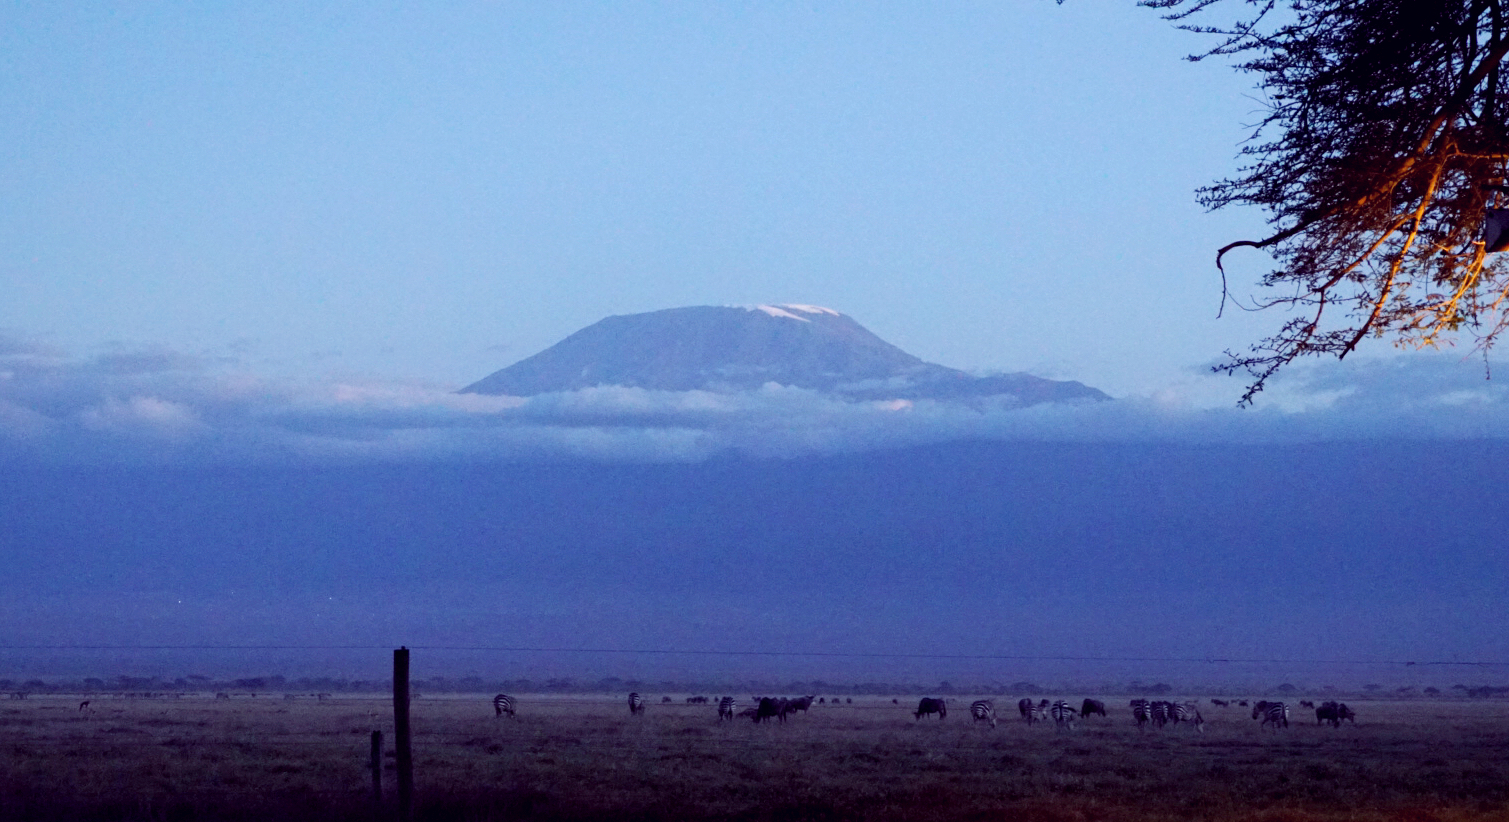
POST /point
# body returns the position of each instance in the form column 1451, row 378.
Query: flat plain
column 585, row 757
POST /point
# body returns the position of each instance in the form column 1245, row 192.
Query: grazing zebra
column 1271, row 712
column 636, row 704
column 503, row 704
column 1063, row 715
column 1161, row 711
column 726, row 708
column 983, row 709
column 928, row 705
column 1142, row 711
column 1092, row 706
column 1188, row 713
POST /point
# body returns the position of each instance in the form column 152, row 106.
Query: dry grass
column 583, row 758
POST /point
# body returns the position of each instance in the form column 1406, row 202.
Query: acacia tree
column 1381, row 146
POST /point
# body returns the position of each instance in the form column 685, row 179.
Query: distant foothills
column 739, row 348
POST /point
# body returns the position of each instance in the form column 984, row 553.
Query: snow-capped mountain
column 734, row 348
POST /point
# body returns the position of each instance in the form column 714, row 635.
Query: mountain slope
column 724, row 348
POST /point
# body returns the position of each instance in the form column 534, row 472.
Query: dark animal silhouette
column 636, row 704
column 1063, row 715
column 1188, row 713
column 801, row 703
column 1271, row 712
column 1092, row 706
column 928, row 705
column 503, row 704
column 768, row 708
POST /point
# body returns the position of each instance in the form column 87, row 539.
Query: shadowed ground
column 585, row 758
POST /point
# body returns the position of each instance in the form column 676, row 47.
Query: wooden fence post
column 405, row 756
column 377, row 767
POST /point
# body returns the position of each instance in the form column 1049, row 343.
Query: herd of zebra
column 1155, row 713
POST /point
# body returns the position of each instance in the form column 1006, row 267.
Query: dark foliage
column 1382, row 141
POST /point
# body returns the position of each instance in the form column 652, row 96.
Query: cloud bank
column 163, row 405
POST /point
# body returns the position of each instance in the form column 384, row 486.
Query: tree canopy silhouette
column 1379, row 152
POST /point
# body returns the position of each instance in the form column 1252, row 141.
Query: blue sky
column 276, row 238
column 426, row 192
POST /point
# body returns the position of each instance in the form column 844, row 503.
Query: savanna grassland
column 581, row 758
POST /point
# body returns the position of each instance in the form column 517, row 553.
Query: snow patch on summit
column 785, row 309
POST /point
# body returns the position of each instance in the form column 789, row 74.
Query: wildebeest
column 983, row 709
column 1092, row 706
column 1223, row 703
column 928, row 705
column 752, row 713
column 1333, row 712
column 1242, row 702
column 801, row 703
column 665, row 699
column 769, row 708
column 1305, row 703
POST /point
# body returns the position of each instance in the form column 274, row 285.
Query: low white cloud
column 160, row 405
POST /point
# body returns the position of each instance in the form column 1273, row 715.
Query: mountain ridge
column 737, row 348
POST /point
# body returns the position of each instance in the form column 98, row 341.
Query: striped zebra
column 1188, row 713
column 983, row 709
column 1271, row 712
column 503, row 704
column 1161, row 713
column 636, row 703
column 1142, row 711
column 726, row 707
column 1063, row 715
